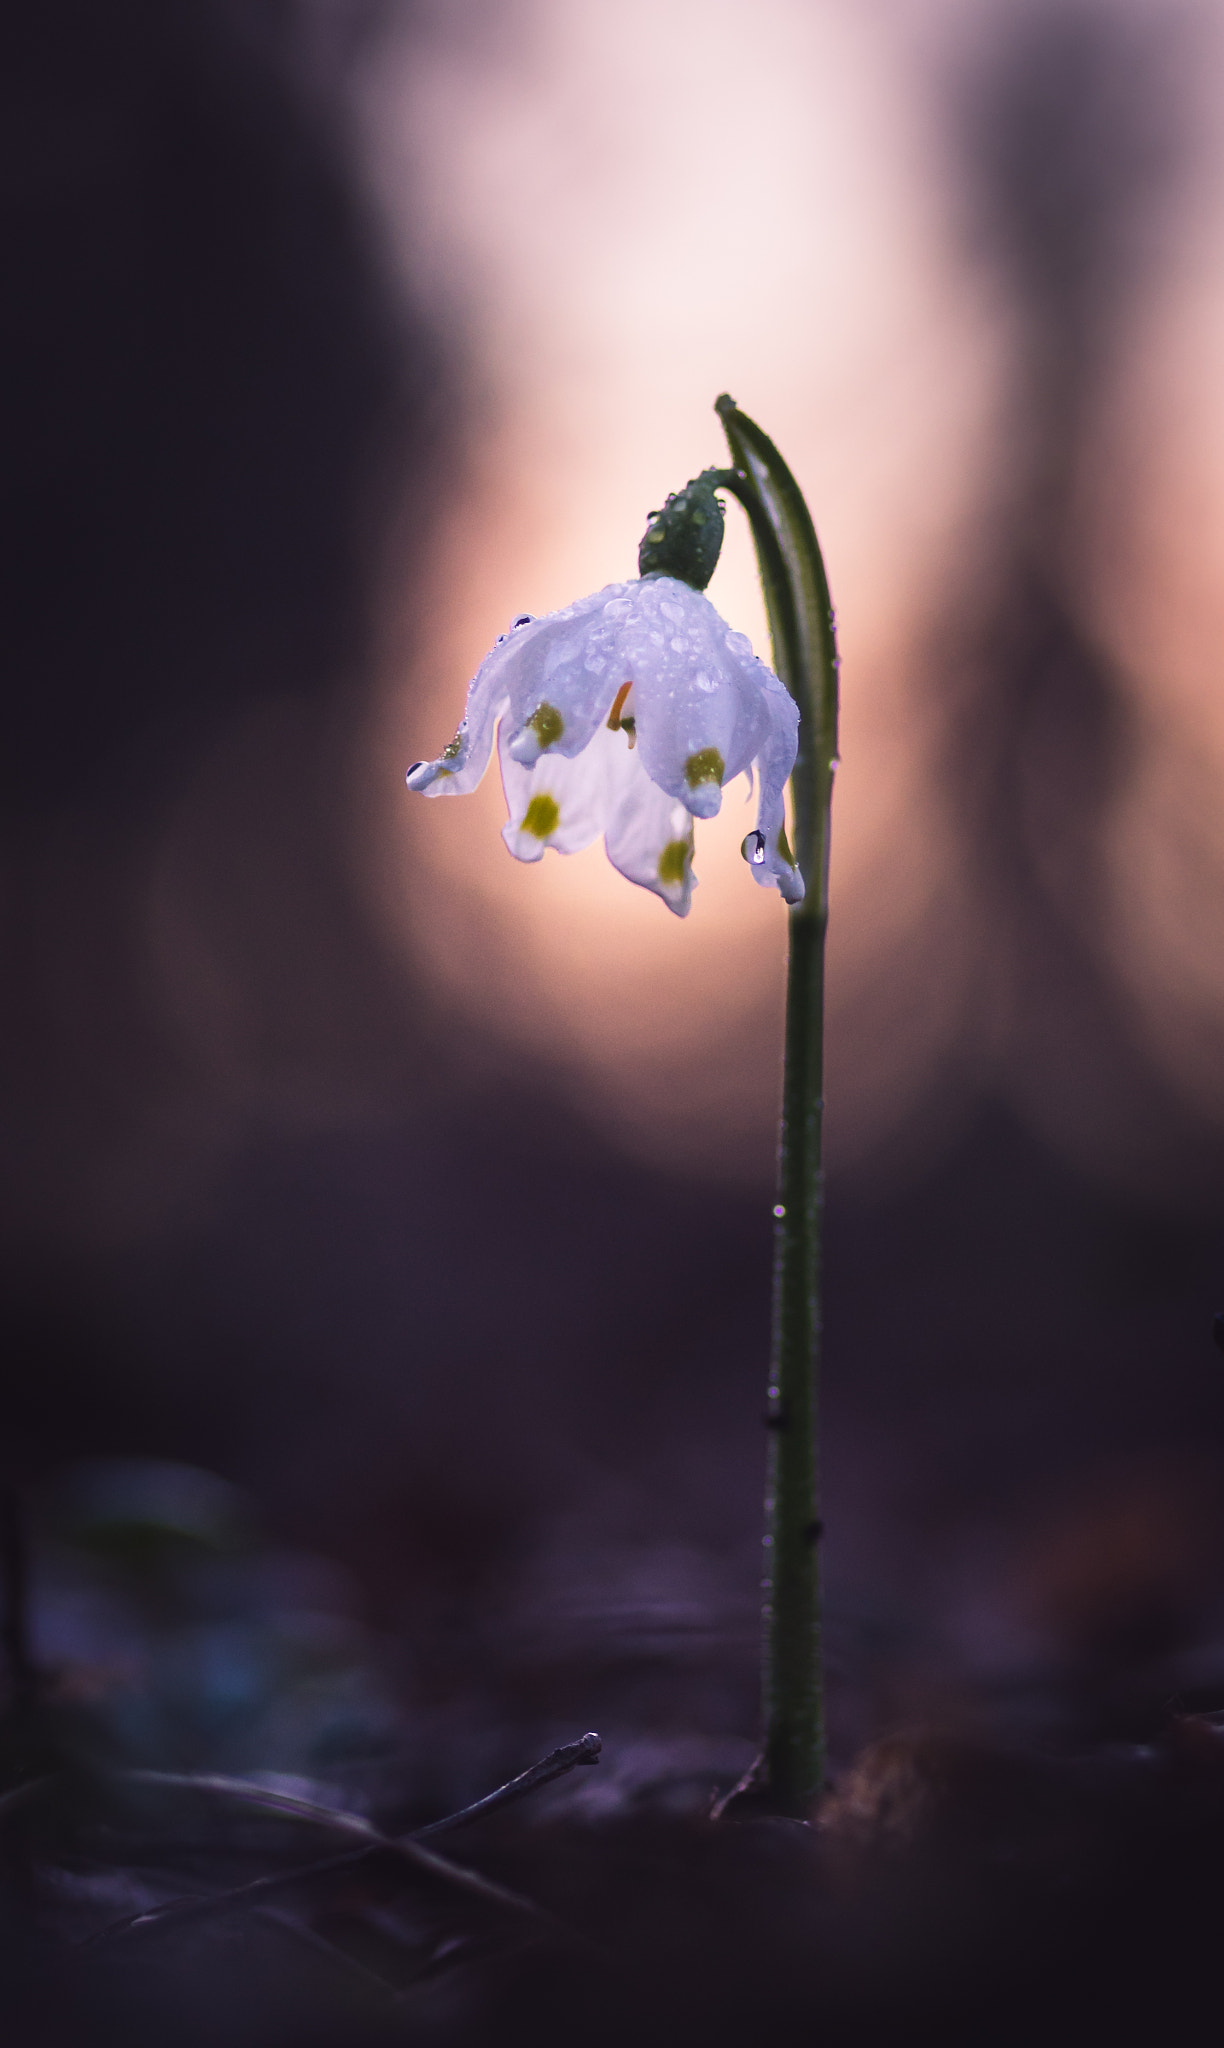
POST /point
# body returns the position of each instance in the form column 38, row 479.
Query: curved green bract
column 800, row 614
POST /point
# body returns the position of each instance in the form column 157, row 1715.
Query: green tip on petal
column 547, row 724
column 674, row 860
column 706, row 765
column 542, row 817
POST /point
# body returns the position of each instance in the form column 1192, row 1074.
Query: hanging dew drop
column 753, row 849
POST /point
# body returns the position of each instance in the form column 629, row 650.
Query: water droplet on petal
column 753, row 849
column 523, row 619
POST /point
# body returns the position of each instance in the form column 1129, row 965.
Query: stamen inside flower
column 542, row 816
column 707, row 765
column 547, row 724
column 617, row 722
column 614, row 715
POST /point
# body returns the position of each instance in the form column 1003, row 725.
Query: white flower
column 625, row 714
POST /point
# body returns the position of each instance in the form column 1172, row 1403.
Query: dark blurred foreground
column 954, row 1892
column 493, row 1390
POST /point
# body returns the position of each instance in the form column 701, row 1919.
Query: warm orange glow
column 631, row 210
column 1157, row 587
column 626, row 242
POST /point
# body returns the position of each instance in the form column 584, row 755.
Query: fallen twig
column 585, row 1751
column 410, row 1846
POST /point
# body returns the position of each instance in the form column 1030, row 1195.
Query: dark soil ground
column 949, row 1890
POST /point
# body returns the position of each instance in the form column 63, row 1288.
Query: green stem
column 805, row 656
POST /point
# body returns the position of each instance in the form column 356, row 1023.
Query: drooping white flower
column 626, row 714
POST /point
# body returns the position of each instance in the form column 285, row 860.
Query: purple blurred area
column 435, row 1326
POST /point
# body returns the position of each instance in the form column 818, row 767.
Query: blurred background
column 416, row 1202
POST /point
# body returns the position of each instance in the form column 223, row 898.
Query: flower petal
column 768, row 853
column 650, row 838
column 552, row 680
column 570, row 671
column 649, row 662
column 462, row 763
column 700, row 693
column 560, row 801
